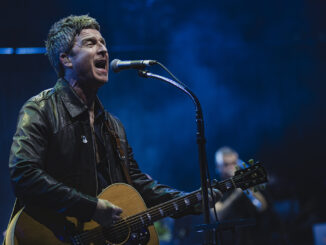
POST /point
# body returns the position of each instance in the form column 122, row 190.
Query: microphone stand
column 201, row 146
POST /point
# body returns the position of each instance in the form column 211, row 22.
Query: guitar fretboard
column 244, row 179
column 173, row 207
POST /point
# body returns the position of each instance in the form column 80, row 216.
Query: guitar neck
column 173, row 207
column 243, row 179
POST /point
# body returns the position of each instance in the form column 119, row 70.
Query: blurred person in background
column 238, row 204
column 233, row 206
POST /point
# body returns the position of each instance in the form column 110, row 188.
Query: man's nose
column 102, row 49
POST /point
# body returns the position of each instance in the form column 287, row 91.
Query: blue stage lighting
column 6, row 50
column 33, row 50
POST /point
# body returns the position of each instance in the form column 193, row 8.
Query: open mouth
column 101, row 64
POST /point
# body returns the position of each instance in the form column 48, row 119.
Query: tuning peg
column 251, row 162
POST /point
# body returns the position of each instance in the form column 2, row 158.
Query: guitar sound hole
column 118, row 233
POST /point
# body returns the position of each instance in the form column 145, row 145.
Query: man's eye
column 90, row 43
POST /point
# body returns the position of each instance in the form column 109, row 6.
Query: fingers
column 115, row 219
column 113, row 210
column 106, row 213
column 110, row 218
column 217, row 195
column 116, row 210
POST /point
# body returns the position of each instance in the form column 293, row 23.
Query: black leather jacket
column 52, row 161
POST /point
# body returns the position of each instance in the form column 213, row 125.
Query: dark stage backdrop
column 256, row 66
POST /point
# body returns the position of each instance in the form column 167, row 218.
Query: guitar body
column 43, row 227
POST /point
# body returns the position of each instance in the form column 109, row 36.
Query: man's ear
column 65, row 61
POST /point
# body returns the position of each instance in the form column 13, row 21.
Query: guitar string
column 124, row 229
column 133, row 224
column 116, row 230
column 124, row 224
column 134, row 220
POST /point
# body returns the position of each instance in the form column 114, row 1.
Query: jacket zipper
column 106, row 156
column 94, row 154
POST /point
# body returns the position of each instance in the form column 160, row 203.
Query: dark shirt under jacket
column 53, row 163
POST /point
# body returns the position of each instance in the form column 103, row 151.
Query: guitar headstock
column 244, row 178
column 250, row 176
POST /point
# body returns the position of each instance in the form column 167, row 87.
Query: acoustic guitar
column 36, row 226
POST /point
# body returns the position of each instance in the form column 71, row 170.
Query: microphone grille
column 114, row 65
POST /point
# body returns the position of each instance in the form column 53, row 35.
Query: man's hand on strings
column 106, row 213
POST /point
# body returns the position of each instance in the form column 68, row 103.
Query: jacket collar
column 72, row 102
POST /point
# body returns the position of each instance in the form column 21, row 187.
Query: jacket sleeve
column 31, row 184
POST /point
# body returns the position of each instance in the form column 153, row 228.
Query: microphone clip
column 143, row 73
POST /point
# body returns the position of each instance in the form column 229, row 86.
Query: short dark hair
column 61, row 37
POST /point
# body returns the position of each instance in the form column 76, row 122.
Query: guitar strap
column 121, row 147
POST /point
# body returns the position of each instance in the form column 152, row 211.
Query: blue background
column 257, row 68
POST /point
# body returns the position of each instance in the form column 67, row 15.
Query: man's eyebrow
column 102, row 39
column 88, row 39
column 92, row 38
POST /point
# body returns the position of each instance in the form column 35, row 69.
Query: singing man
column 67, row 148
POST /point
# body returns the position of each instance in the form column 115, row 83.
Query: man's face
column 227, row 168
column 89, row 58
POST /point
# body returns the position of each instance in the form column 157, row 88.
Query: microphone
column 117, row 65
